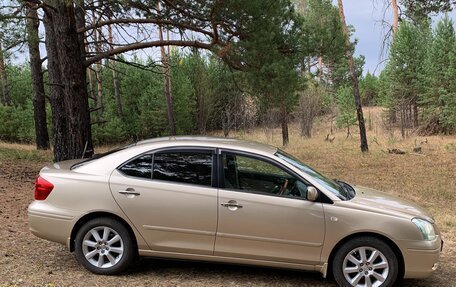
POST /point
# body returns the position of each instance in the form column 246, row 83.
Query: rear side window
column 139, row 167
column 185, row 167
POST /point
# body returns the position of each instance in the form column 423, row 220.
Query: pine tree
column 439, row 97
column 347, row 109
column 406, row 65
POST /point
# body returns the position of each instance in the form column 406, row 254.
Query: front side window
column 260, row 176
column 184, row 167
column 330, row 184
column 138, row 167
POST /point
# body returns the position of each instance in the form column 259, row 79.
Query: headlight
column 425, row 227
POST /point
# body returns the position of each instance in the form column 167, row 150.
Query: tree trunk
column 201, row 112
column 97, row 37
column 69, row 57
column 90, row 85
column 91, row 94
column 392, row 114
column 99, row 77
column 284, row 119
column 395, row 15
column 6, row 99
column 415, row 115
column 59, row 117
column 226, row 121
column 402, row 121
column 119, row 110
column 320, row 69
column 115, row 78
column 348, row 131
column 352, row 70
column 39, row 101
column 167, row 83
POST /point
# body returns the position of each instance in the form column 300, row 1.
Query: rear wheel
column 104, row 246
column 366, row 262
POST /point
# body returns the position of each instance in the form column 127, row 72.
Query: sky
column 366, row 17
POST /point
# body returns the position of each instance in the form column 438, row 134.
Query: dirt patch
column 26, row 260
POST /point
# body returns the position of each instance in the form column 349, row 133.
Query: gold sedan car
column 233, row 201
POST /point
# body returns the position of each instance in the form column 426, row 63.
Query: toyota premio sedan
column 226, row 200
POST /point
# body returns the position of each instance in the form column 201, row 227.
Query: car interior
column 258, row 176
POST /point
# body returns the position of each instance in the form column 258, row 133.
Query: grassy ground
column 428, row 178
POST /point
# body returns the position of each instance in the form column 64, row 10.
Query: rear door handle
column 232, row 205
column 129, row 191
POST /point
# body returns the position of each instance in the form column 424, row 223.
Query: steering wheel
column 284, row 186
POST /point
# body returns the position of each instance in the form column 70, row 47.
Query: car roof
column 104, row 165
column 207, row 141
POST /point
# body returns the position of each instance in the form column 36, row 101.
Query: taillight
column 42, row 188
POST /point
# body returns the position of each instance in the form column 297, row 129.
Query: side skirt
column 210, row 258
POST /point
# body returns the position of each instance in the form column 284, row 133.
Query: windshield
column 329, row 184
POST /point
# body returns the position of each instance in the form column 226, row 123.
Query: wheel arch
column 391, row 243
column 86, row 218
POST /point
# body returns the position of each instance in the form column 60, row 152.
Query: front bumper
column 421, row 263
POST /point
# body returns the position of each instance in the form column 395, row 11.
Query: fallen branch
column 396, row 151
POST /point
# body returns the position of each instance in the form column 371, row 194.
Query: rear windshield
column 100, row 155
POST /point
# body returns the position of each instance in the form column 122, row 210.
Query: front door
column 264, row 214
column 170, row 198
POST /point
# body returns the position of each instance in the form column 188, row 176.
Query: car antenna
column 85, row 149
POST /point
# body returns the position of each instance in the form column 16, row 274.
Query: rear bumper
column 421, row 263
column 50, row 223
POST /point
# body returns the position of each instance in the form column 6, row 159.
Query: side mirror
column 312, row 193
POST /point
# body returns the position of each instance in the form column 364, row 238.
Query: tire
column 104, row 246
column 379, row 261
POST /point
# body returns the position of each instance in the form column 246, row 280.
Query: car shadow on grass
column 222, row 274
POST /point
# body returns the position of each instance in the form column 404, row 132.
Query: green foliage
column 448, row 97
column 184, row 95
column 439, row 98
column 17, row 123
column 340, row 75
column 421, row 72
column 144, row 113
column 203, row 90
column 384, row 97
column 257, row 65
column 152, row 111
column 419, row 10
column 20, row 84
column 12, row 26
column 402, row 81
column 324, row 31
column 347, row 108
column 274, row 53
column 368, row 87
column 407, row 57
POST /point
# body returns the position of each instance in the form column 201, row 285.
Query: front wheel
column 104, row 246
column 365, row 262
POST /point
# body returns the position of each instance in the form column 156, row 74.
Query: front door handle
column 232, row 205
column 129, row 191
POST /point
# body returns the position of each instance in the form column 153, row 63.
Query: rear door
column 264, row 214
column 170, row 198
